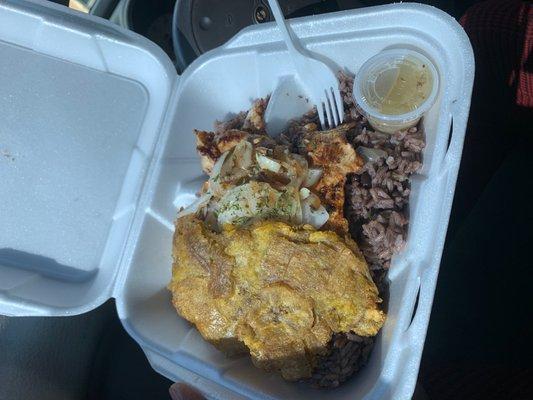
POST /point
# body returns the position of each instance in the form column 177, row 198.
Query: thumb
column 181, row 391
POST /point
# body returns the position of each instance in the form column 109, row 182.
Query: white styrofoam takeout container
column 97, row 153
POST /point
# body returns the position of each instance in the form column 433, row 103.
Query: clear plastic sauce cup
column 395, row 88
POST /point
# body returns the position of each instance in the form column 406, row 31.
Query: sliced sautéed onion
column 198, row 204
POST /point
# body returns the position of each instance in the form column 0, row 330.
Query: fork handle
column 283, row 28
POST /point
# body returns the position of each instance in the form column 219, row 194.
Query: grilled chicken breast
column 331, row 151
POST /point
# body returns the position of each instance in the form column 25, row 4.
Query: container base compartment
column 226, row 81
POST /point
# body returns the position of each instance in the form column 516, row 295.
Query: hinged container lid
column 81, row 105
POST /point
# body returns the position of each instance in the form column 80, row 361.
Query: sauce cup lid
column 380, row 70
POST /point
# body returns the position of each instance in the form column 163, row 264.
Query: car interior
column 478, row 342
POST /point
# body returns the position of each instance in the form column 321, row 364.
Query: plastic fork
column 319, row 80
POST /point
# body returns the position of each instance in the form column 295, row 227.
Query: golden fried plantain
column 276, row 291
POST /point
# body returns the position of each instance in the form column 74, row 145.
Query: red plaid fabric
column 501, row 32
